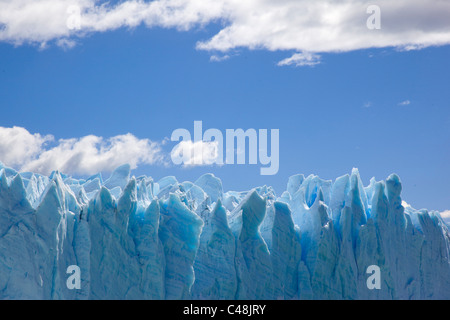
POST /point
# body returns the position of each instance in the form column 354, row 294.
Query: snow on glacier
column 136, row 238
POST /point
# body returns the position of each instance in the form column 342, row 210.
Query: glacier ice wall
column 135, row 238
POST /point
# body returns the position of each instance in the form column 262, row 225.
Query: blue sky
column 382, row 110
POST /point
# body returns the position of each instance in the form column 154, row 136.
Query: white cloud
column 405, row 204
column 86, row 155
column 404, row 103
column 216, row 58
column 446, row 215
column 411, row 47
column 66, row 43
column 18, row 146
column 198, row 153
column 301, row 59
column 367, row 104
column 303, row 26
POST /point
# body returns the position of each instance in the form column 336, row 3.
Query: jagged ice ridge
column 134, row 238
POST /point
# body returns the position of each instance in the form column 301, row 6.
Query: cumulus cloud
column 301, row 59
column 18, row 146
column 86, row 155
column 198, row 153
column 300, row 26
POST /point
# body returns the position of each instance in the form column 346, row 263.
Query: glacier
column 136, row 238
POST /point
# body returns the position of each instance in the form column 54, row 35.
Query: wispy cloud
column 410, row 47
column 367, row 104
column 86, row 155
column 404, row 103
column 302, row 26
column 301, row 59
column 217, row 58
column 66, row 43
